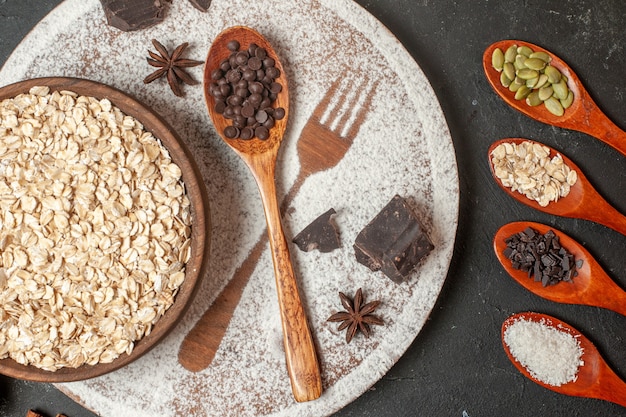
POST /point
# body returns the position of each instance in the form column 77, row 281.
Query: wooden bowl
column 200, row 230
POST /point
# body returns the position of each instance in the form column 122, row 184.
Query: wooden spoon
column 594, row 379
column 260, row 156
column 592, row 286
column 582, row 202
column 583, row 115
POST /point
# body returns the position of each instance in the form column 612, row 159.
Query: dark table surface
column 456, row 366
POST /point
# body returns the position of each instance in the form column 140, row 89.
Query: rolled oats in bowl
column 95, row 230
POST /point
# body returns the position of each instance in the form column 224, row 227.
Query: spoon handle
column 302, row 363
column 604, row 292
column 607, row 215
column 598, row 125
column 610, row 387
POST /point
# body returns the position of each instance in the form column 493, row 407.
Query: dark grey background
column 456, row 365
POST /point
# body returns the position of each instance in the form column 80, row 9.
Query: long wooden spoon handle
column 200, row 345
column 300, row 355
column 301, row 358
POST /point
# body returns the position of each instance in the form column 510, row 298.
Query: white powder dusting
column 549, row 354
column 403, row 147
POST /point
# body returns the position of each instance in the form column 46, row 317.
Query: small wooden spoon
column 582, row 202
column 592, row 286
column 594, row 379
column 583, row 115
column 260, row 156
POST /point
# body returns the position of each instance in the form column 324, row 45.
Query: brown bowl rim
column 200, row 231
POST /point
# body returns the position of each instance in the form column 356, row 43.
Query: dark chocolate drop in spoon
column 591, row 286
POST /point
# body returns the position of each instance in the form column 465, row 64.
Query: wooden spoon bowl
column 595, row 379
column 582, row 202
column 220, row 52
column 583, row 115
column 200, row 232
column 592, row 286
column 260, row 157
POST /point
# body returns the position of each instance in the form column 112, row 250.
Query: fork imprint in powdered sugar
column 325, row 138
column 331, row 129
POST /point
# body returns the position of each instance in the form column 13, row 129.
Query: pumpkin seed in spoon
column 580, row 111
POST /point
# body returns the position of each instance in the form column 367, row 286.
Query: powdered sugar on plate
column 403, row 147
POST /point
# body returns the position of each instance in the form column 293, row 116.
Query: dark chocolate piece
column 541, row 256
column 321, row 234
column 202, row 5
column 129, row 15
column 394, row 242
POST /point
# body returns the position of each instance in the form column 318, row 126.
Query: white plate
column 403, row 147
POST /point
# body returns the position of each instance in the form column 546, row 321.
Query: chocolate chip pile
column 244, row 87
column 541, row 256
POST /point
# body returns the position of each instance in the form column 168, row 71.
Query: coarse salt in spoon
column 523, row 336
column 583, row 115
column 582, row 201
column 260, row 157
column 591, row 286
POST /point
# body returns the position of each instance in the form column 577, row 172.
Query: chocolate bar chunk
column 394, row 242
column 129, row 15
column 321, row 234
column 202, row 5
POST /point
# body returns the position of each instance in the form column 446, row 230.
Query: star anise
column 171, row 66
column 357, row 315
